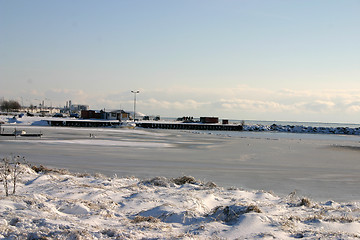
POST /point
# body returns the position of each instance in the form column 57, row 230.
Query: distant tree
column 14, row 105
column 4, row 105
column 10, row 106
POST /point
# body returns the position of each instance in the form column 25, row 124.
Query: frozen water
column 321, row 167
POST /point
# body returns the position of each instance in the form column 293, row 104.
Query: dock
column 82, row 123
column 19, row 133
column 145, row 124
column 191, row 126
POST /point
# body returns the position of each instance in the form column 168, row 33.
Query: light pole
column 135, row 92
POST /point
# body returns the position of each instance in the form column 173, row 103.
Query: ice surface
column 320, row 166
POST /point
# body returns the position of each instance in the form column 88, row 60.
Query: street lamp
column 135, row 92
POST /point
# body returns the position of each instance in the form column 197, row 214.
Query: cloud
column 187, row 104
column 63, row 95
column 319, row 106
column 241, row 100
column 229, row 101
column 353, row 109
column 253, row 105
column 54, row 97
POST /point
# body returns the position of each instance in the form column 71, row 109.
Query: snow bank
column 54, row 204
column 25, row 120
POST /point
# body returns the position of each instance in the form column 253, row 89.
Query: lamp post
column 135, row 92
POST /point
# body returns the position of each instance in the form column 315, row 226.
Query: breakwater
column 303, row 129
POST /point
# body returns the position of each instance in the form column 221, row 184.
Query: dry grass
column 150, row 219
column 305, row 202
column 183, row 180
column 42, row 169
column 231, row 213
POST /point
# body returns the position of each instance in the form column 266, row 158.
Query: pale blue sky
column 244, row 59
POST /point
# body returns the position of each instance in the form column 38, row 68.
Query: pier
column 82, row 123
column 142, row 124
column 191, row 126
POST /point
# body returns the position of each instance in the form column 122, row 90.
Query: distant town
column 79, row 115
column 82, row 111
column 70, row 110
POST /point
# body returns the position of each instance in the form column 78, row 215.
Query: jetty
column 21, row 133
column 83, row 123
column 146, row 124
column 191, row 126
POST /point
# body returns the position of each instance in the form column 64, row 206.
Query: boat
column 129, row 125
column 21, row 133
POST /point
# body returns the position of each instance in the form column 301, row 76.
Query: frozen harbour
column 319, row 166
column 270, row 185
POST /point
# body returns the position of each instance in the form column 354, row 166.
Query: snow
column 56, row 204
column 26, row 120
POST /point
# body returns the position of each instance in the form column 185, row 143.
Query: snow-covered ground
column 26, row 120
column 53, row 204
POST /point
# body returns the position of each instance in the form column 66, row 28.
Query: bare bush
column 185, row 179
column 231, row 213
column 42, row 169
column 10, row 170
column 305, row 202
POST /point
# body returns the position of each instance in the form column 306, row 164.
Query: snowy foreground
column 55, row 204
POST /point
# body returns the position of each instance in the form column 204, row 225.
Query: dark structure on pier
column 191, row 126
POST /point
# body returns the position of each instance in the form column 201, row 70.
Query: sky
column 235, row 59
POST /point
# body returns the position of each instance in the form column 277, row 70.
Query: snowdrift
column 56, row 204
